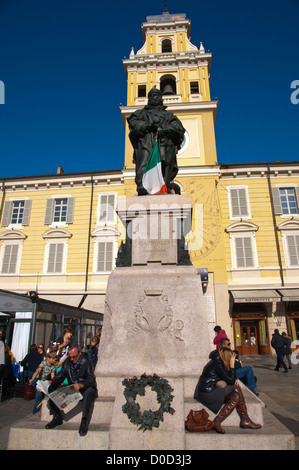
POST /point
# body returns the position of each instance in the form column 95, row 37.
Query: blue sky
column 60, row 109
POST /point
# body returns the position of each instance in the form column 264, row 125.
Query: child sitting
column 44, row 370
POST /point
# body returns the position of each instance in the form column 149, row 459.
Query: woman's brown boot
column 245, row 422
column 226, row 411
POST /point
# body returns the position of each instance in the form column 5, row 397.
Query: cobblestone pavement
column 279, row 391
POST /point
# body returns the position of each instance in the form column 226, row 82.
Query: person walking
column 287, row 350
column 278, row 343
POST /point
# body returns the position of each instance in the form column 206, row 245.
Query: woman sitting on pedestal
column 217, row 386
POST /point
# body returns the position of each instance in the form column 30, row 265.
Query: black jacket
column 277, row 341
column 81, row 373
column 213, row 372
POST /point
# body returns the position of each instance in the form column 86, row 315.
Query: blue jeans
column 246, row 375
column 280, row 359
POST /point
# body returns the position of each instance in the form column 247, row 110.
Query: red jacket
column 219, row 337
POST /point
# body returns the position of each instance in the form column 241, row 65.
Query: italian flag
column 152, row 179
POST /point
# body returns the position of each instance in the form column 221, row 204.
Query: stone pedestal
column 154, row 321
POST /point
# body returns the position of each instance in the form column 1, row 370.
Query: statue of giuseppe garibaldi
column 153, row 123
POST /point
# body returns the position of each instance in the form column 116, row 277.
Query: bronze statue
column 153, row 123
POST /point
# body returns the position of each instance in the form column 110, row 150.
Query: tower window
column 166, row 45
column 168, row 85
column 141, row 91
column 194, row 88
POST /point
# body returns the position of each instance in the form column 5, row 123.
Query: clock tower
column 169, row 61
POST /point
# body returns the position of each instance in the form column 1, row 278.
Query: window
column 293, row 249
column 55, row 258
column 141, row 91
column 288, row 200
column 106, row 212
column 16, row 213
column 166, row 45
column 11, row 251
column 285, row 200
column 105, row 246
column 243, row 245
column 60, row 210
column 168, row 85
column 56, row 250
column 194, row 88
column 105, row 257
column 9, row 260
column 239, row 202
column 244, row 252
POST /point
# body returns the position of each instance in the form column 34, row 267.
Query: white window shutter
column 9, row 265
column 49, row 211
column 244, row 254
column 27, row 210
column 55, row 258
column 293, row 247
column 6, row 219
column 239, row 204
column 276, row 201
column 70, row 210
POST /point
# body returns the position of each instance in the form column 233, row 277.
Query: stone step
column 31, row 434
column 102, row 412
column 272, row 436
column 253, row 403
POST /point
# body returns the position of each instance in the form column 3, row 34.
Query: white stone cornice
column 176, row 108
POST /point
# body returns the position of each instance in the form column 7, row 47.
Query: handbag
column 29, row 392
column 198, row 421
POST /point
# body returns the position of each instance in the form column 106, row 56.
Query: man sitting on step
column 78, row 370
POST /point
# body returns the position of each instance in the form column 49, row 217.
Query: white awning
column 289, row 294
column 263, row 295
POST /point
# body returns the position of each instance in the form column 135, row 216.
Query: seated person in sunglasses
column 245, row 374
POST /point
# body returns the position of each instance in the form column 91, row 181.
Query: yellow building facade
column 60, row 233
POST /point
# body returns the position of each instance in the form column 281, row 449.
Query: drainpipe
column 3, row 198
column 89, row 235
column 275, row 227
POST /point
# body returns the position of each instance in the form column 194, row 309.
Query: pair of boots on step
column 234, row 400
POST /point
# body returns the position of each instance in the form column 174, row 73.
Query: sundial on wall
column 207, row 226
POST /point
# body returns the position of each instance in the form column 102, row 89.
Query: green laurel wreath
column 149, row 418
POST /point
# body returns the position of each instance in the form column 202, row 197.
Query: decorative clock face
column 207, row 220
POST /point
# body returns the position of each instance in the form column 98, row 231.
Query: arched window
column 168, row 85
column 166, row 45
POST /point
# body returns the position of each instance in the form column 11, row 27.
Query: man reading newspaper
column 78, row 370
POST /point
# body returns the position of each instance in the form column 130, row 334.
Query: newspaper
column 62, row 397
